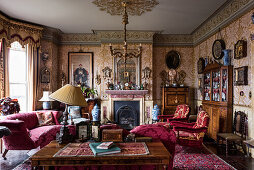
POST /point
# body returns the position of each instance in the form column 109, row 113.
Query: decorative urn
column 226, row 58
column 96, row 113
column 155, row 112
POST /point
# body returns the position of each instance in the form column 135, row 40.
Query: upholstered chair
column 191, row 134
column 181, row 114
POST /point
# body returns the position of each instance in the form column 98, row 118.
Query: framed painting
column 45, row 75
column 80, row 66
column 241, row 76
column 173, row 59
column 240, row 49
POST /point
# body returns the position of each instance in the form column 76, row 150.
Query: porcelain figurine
column 155, row 112
column 96, row 113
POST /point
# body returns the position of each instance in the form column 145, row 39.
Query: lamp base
column 46, row 105
column 64, row 136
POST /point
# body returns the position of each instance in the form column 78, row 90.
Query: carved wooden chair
column 239, row 134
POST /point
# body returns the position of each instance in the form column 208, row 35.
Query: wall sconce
column 107, row 75
column 146, row 75
column 98, row 79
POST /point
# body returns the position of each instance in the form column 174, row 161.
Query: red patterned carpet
column 185, row 158
column 194, row 158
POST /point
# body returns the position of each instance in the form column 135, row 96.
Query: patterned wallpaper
column 51, row 64
column 186, row 64
column 237, row 30
column 102, row 58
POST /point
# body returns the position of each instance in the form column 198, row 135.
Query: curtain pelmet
column 12, row 31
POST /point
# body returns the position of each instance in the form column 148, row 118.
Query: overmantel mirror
column 129, row 72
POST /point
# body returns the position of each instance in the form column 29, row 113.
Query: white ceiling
column 82, row 16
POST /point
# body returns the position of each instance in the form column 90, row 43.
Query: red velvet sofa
column 26, row 134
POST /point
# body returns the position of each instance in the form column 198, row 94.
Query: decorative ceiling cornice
column 231, row 11
column 105, row 36
column 173, row 40
column 132, row 36
column 84, row 38
column 135, row 7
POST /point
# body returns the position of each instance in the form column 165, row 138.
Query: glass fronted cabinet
column 207, row 86
column 217, row 83
column 218, row 98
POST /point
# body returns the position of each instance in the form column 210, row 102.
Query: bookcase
column 218, row 98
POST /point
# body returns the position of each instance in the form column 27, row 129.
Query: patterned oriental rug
column 185, row 158
column 193, row 158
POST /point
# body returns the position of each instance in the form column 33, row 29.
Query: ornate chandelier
column 136, row 7
column 125, row 54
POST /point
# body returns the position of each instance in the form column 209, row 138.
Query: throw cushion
column 74, row 112
column 45, row 118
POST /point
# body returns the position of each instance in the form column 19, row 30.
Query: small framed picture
column 241, row 76
column 95, row 131
column 45, row 75
column 83, row 132
column 240, row 49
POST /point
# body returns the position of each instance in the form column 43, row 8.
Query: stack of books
column 104, row 148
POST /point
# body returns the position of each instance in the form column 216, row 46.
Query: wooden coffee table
column 158, row 156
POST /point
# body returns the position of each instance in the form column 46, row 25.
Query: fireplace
column 127, row 113
column 126, row 107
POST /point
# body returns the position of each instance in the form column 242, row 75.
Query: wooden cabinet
column 217, row 98
column 173, row 96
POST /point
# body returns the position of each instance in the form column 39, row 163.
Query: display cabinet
column 218, row 98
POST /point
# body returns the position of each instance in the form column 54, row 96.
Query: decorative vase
column 155, row 112
column 46, row 105
column 96, row 113
column 226, row 58
column 206, row 61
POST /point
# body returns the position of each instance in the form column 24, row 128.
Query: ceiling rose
column 135, row 7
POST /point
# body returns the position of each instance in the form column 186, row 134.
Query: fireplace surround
column 123, row 100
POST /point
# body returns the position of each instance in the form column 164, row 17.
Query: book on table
column 98, row 152
column 105, row 145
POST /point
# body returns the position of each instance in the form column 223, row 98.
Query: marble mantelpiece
column 107, row 107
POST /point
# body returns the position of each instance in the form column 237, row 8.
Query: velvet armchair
column 191, row 134
column 181, row 114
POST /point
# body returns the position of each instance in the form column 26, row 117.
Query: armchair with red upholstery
column 181, row 114
column 191, row 134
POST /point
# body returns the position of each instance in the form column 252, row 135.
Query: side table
column 250, row 144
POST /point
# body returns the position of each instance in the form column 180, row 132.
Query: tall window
column 18, row 74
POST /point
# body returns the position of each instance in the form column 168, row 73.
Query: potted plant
column 92, row 92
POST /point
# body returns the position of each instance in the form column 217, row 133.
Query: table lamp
column 69, row 95
column 46, row 105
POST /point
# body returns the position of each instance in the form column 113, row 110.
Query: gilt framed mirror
column 129, row 72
